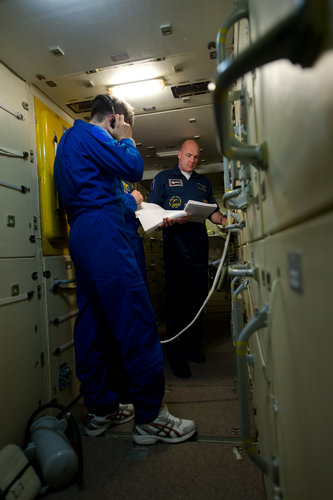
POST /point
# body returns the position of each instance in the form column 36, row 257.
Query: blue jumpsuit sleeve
column 130, row 204
column 157, row 190
column 122, row 159
column 211, row 199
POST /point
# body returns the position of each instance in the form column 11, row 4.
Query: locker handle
column 260, row 320
column 300, row 37
column 240, row 11
column 62, row 284
column 17, row 298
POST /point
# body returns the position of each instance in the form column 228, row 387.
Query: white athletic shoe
column 165, row 428
column 96, row 426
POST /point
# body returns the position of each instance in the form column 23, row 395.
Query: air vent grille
column 80, row 107
column 190, row 89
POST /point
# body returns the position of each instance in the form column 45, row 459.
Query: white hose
column 218, row 272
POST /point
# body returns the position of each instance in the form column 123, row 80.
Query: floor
column 210, row 466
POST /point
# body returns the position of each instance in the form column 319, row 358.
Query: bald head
column 188, row 156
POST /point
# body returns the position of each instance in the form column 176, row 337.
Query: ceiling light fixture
column 137, row 89
column 166, row 154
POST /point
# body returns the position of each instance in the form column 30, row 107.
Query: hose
column 217, row 276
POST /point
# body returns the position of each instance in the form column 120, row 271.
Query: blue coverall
column 185, row 251
column 132, row 224
column 113, row 300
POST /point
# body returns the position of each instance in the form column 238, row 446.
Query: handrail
column 300, row 38
column 234, row 302
column 240, row 11
column 21, row 189
column 62, row 284
column 260, row 320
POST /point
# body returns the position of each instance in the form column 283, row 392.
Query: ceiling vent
column 123, row 56
column 166, row 29
column 190, row 89
column 56, row 51
column 81, row 106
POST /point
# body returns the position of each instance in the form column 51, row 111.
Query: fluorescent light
column 134, row 73
column 137, row 89
column 166, row 154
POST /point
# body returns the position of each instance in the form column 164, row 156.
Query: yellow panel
column 49, row 129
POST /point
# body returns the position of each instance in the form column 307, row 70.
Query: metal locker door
column 294, row 111
column 292, row 106
column 299, row 354
column 21, row 348
column 18, row 179
column 61, row 311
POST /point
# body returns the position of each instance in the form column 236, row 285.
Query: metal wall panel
column 16, row 112
column 264, row 15
column 294, row 110
column 20, row 353
column 254, row 255
column 299, row 132
column 61, row 311
column 24, row 378
column 18, row 179
column 290, row 108
column 18, row 223
column 246, row 131
column 299, row 354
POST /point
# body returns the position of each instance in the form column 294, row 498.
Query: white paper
column 199, row 211
column 151, row 215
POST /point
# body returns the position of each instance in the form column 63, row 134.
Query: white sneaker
column 96, row 426
column 165, row 428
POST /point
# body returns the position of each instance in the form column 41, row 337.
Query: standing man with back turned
column 185, row 251
column 114, row 306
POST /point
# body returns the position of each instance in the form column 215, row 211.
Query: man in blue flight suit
column 113, row 299
column 185, row 251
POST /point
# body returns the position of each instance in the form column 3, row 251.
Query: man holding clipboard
column 185, row 252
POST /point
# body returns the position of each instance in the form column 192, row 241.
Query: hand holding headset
column 122, row 130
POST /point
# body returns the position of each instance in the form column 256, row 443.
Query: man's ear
column 112, row 121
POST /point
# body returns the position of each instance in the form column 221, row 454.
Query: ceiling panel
column 114, row 36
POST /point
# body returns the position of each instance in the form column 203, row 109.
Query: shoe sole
column 100, row 432
column 123, row 420
column 96, row 432
column 149, row 439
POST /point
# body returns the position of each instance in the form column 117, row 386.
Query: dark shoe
column 181, row 370
column 197, row 357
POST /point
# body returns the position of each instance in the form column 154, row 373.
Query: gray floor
column 213, row 465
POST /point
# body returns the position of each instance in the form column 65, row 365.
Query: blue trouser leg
column 114, row 303
column 186, row 271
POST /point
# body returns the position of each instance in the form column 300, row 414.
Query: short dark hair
column 103, row 105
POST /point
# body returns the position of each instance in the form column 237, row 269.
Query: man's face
column 188, row 156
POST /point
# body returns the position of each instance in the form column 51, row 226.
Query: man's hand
column 137, row 196
column 171, row 222
column 121, row 130
column 218, row 218
column 182, row 220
